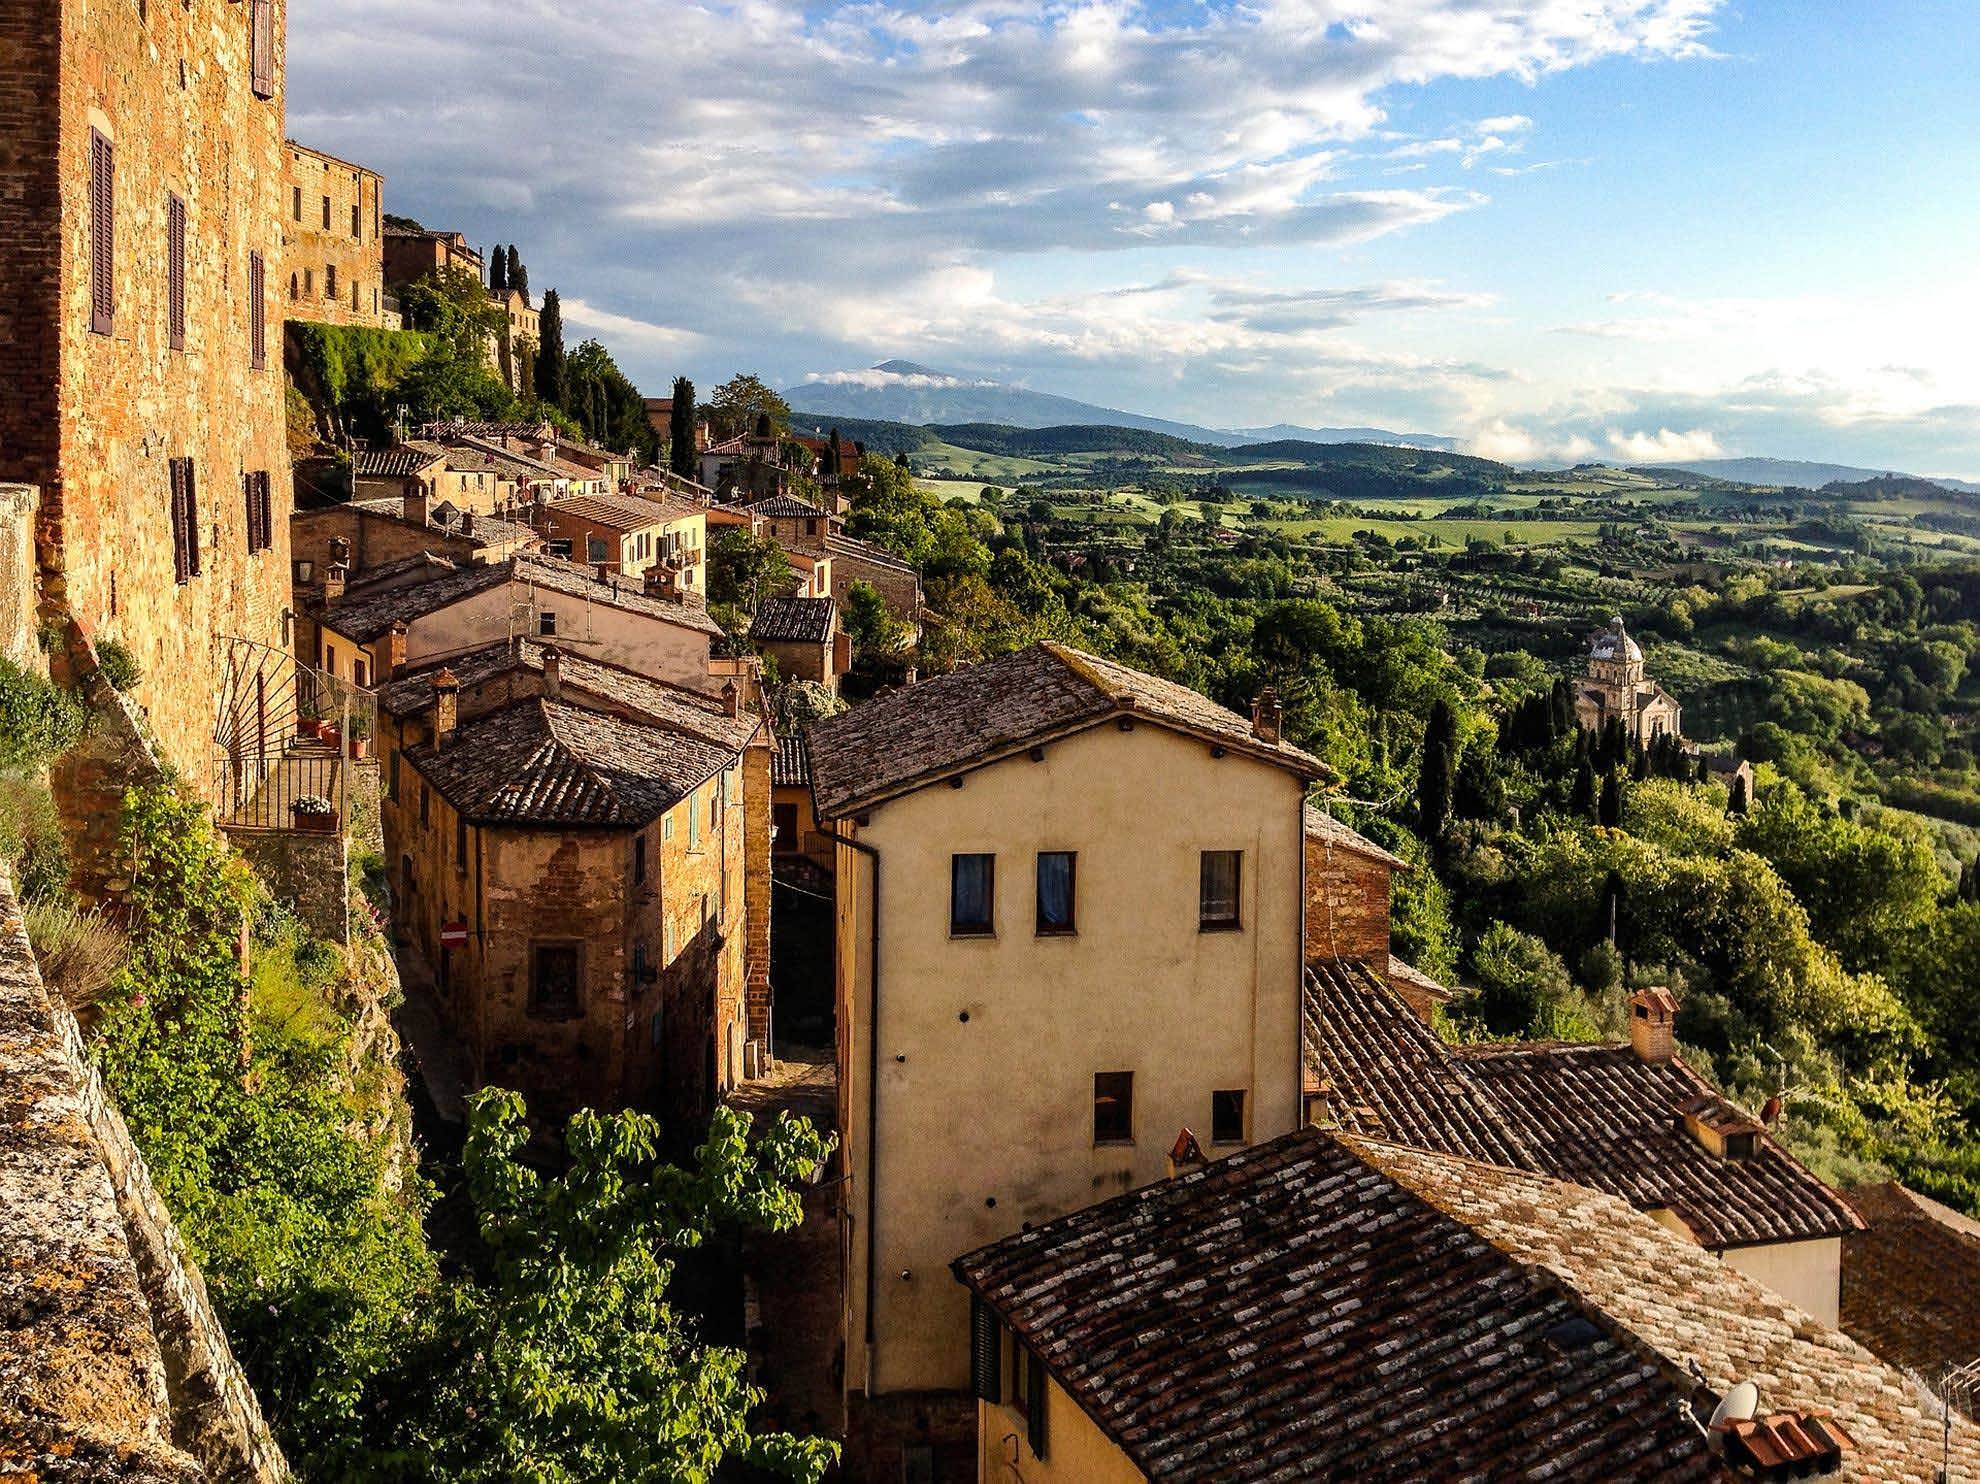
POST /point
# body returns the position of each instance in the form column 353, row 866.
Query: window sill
column 1113, row 1143
column 1220, row 927
column 1064, row 932
column 960, row 934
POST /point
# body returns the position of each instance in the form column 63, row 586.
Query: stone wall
column 1347, row 905
column 332, row 232
column 112, row 1362
column 18, row 503
column 307, row 872
column 91, row 778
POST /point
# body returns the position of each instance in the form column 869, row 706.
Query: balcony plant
column 314, row 813
column 359, row 739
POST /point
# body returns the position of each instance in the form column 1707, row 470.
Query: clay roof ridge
column 1075, row 661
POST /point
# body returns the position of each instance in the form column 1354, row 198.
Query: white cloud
column 1664, row 446
column 624, row 328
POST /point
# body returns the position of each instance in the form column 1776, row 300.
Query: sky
column 1557, row 229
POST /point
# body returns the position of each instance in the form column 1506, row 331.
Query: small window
column 1056, row 870
column 553, row 982
column 694, row 828
column 175, row 273
column 392, row 779
column 258, row 312
column 361, row 673
column 296, row 203
column 330, row 279
column 546, row 623
column 783, row 820
column 972, row 895
column 460, row 843
column 1227, row 1117
column 102, row 234
column 1113, row 1107
column 594, row 548
column 425, row 804
column 260, row 517
column 326, row 213
column 357, row 227
column 1217, row 891
column 261, row 44
column 639, row 857
column 185, row 520
column 667, row 828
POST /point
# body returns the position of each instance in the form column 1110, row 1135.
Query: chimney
column 1652, row 1018
column 1185, row 1155
column 553, row 673
column 334, row 577
column 446, row 706
column 731, row 699
column 340, row 549
column 467, row 522
column 414, row 509
column 1267, row 715
column 395, row 650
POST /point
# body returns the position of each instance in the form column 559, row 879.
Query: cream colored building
column 1069, row 927
column 1616, row 686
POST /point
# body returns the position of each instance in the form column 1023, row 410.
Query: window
column 1217, row 891
column 360, row 672
column 392, row 779
column 357, row 227
column 1027, row 1395
column 261, row 20
column 102, row 233
column 694, row 828
column 296, row 204
column 309, row 283
column 783, row 820
column 1113, row 1107
column 667, row 828
column 594, row 548
column 1055, row 891
column 330, row 280
column 1227, row 1117
column 175, row 273
column 185, row 521
column 258, row 311
column 326, row 213
column 546, row 623
column 553, row 979
column 986, row 1371
column 639, row 858
column 329, row 665
column 460, row 843
column 972, row 895
column 425, row 804
column 260, row 520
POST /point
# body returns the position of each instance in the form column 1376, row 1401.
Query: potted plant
column 314, row 813
column 309, row 716
column 360, row 737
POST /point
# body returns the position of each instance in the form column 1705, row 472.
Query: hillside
column 1075, row 438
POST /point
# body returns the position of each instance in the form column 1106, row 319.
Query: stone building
column 803, row 635
column 515, row 342
column 394, row 542
column 461, row 476
column 412, row 252
column 629, row 535
column 1347, row 908
column 898, row 583
column 1069, row 924
column 333, row 222
column 141, row 259
column 571, row 847
column 1616, row 686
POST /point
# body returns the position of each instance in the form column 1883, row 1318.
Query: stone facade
column 514, row 345
column 333, row 220
column 1347, row 902
column 100, row 400
column 1617, row 687
column 411, row 253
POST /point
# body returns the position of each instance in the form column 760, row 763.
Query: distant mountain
column 1784, row 472
column 907, row 392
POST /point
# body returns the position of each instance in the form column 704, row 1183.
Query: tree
column 1738, row 803
column 551, row 383
column 1561, row 702
column 1439, row 770
column 562, row 1357
column 1611, row 807
column 1523, row 987
column 1581, row 802
column 740, row 401
column 743, row 569
column 680, row 430
column 516, row 275
column 498, row 270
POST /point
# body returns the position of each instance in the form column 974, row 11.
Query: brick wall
column 335, row 260
column 1347, row 905
column 756, row 889
column 94, row 418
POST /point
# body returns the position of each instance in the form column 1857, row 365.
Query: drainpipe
column 1299, row 970
column 872, row 1077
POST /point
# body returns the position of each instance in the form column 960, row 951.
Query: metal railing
column 284, row 736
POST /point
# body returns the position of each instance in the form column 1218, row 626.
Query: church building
column 1615, row 686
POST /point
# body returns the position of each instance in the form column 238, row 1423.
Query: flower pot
column 314, row 821
column 360, row 748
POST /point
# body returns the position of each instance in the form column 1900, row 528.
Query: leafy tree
column 740, row 401
column 1523, row 988
column 451, row 305
column 680, row 430
column 552, row 384
column 744, row 569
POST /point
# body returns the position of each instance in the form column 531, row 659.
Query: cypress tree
column 1581, row 803
column 517, row 274
column 551, row 383
column 1704, row 773
column 1639, row 763
column 680, row 430
column 498, row 270
column 1439, row 772
column 1739, row 803
column 1561, row 701
column 1611, row 814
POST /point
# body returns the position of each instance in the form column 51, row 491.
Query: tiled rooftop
column 542, row 762
column 1911, row 1283
column 789, row 766
column 396, row 463
column 1594, row 1114
column 784, row 507
column 1322, row 826
column 793, row 621
column 625, row 512
column 915, row 735
column 865, row 551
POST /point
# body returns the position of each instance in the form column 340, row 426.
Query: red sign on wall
column 453, row 934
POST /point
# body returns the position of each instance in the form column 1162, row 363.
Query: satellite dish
column 1739, row 1405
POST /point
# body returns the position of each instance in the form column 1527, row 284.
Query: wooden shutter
column 1034, row 1404
column 102, row 233
column 257, row 312
column 180, row 470
column 262, row 44
column 265, row 506
column 254, row 491
column 985, row 1358
column 175, row 272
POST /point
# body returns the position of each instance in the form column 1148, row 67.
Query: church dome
column 1613, row 643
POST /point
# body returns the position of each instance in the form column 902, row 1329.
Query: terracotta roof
column 1603, row 1117
column 590, row 681
column 1322, row 826
column 1375, row 1068
column 625, row 593
column 785, row 506
column 623, row 512
column 789, row 766
column 482, row 530
column 1911, row 1283
column 1417, row 980
column 1294, row 1311
column 368, row 615
column 915, row 735
column 1597, row 1115
column 794, row 621
column 866, row 551
column 395, row 463
column 553, row 763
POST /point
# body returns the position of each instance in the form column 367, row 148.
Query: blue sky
column 1555, row 228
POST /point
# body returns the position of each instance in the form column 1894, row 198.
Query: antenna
column 1741, row 1404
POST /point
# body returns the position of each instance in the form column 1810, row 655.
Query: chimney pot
column 467, row 522
column 446, row 707
column 414, row 509
column 334, row 577
column 553, row 673
column 731, row 699
column 395, row 650
column 1267, row 715
column 1652, row 1024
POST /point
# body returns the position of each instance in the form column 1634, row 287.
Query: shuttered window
column 185, row 521
column 258, row 311
column 102, row 233
column 986, row 1371
column 260, row 523
column 175, row 272
column 1034, row 1405
column 261, row 20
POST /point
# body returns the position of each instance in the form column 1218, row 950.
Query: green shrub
column 38, row 719
column 81, row 952
column 118, row 665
